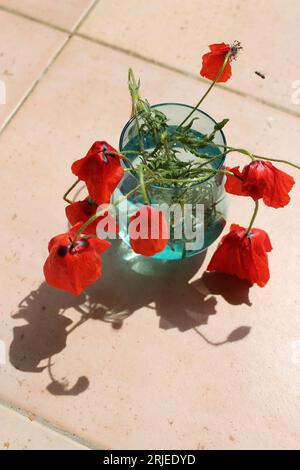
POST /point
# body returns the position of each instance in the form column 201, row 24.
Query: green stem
column 130, row 152
column 132, row 191
column 86, row 224
column 142, row 184
column 68, row 191
column 210, row 160
column 124, row 158
column 133, row 88
column 208, row 90
column 252, row 218
column 257, row 157
column 194, row 180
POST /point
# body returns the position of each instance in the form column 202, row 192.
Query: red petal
column 153, row 229
column 74, row 269
column 244, row 257
column 81, row 211
column 220, row 47
column 234, row 184
column 212, row 63
column 101, row 173
column 261, row 180
column 279, row 184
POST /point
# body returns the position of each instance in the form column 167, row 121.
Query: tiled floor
column 202, row 360
column 19, row 432
column 27, row 48
column 65, row 14
column 175, row 35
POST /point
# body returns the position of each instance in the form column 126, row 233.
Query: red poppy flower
column 261, row 179
column 101, row 172
column 212, row 62
column 73, row 268
column 81, row 211
column 243, row 256
column 148, row 231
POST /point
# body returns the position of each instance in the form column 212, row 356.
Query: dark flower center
column 62, row 250
column 234, row 49
column 79, row 246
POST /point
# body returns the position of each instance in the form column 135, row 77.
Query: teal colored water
column 210, row 194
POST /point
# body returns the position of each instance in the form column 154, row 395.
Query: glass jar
column 206, row 200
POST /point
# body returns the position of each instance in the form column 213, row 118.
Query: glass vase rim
column 172, row 188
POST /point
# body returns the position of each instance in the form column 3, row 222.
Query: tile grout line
column 32, row 417
column 12, row 11
column 70, row 34
column 186, row 74
column 134, row 54
column 51, row 62
column 8, row 404
column 5, row 403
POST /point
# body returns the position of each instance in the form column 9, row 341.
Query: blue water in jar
column 210, row 193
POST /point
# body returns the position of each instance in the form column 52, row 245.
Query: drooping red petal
column 255, row 257
column 276, row 187
column 148, row 231
column 261, row 180
column 212, row 62
column 81, row 211
column 234, row 184
column 74, row 268
column 243, row 256
column 101, row 172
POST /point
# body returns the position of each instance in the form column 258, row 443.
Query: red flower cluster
column 244, row 256
column 73, row 265
column 74, row 260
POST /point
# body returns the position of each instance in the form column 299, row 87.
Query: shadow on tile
column 128, row 283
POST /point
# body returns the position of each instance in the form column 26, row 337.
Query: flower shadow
column 44, row 334
column 129, row 282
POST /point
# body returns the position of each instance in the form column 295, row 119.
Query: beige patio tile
column 201, row 362
column 18, row 432
column 66, row 14
column 26, row 50
column 177, row 33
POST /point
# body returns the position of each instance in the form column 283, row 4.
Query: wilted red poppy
column 148, row 231
column 73, row 268
column 243, row 256
column 261, row 179
column 212, row 63
column 100, row 171
column 81, row 211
